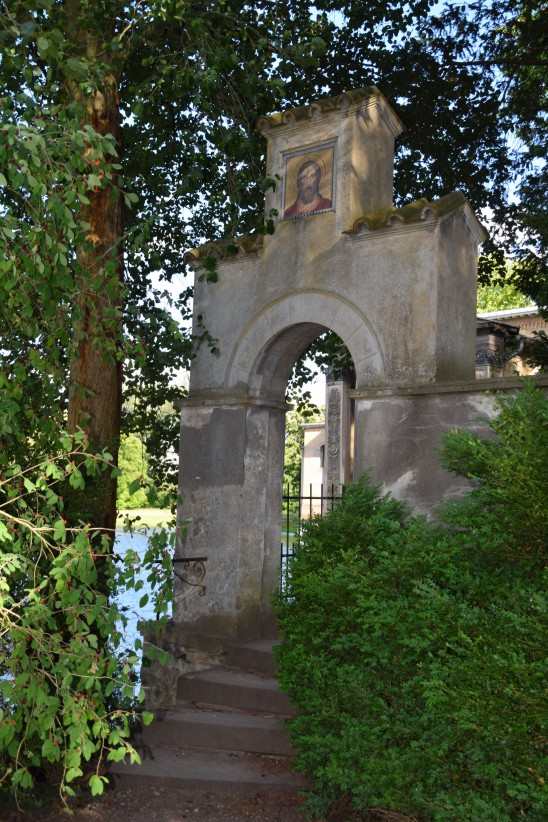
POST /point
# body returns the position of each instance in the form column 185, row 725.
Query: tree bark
column 95, row 367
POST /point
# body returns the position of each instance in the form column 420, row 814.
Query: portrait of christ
column 308, row 183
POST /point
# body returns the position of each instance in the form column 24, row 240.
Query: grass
column 148, row 517
column 156, row 517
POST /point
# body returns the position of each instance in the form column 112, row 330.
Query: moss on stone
column 323, row 104
column 227, row 248
column 414, row 212
column 417, row 211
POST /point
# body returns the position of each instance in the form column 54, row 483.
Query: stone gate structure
column 399, row 288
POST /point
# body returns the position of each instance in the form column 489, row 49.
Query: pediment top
column 324, row 106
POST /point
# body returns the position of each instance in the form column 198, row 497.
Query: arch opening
column 315, row 444
column 281, row 370
column 271, row 343
column 239, row 456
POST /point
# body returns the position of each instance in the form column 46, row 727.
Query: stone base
column 186, row 654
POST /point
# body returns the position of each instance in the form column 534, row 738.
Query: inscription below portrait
column 308, row 183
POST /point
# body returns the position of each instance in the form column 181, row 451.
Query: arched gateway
column 397, row 285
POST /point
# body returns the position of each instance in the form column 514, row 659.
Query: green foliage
column 508, row 510
column 537, row 350
column 45, row 163
column 66, row 687
column 515, row 42
column 133, row 479
column 414, row 651
column 136, row 488
column 497, row 296
column 192, row 81
column 504, row 292
column 327, row 353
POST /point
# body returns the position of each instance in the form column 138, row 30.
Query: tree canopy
column 126, row 137
column 498, row 297
column 185, row 83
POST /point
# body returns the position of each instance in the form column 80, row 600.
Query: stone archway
column 272, row 341
column 396, row 285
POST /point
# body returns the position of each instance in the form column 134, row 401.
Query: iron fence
column 296, row 508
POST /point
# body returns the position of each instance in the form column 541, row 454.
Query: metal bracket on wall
column 196, row 568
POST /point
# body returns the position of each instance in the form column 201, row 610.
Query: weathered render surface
column 397, row 285
column 400, row 434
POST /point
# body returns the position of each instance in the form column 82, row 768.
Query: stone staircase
column 227, row 731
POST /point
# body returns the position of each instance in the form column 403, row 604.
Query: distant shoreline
column 148, row 517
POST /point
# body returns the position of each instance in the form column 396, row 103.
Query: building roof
column 487, row 324
column 508, row 313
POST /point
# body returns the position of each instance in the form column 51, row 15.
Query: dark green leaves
column 67, row 688
column 415, row 651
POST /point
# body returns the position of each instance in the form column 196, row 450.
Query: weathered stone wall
column 404, row 316
column 397, row 285
column 233, row 464
column 401, row 430
column 337, row 463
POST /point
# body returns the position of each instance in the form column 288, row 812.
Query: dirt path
column 170, row 804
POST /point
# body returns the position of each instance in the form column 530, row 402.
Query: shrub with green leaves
column 67, row 686
column 415, row 651
column 508, row 508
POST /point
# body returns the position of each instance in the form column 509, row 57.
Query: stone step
column 211, row 771
column 234, row 689
column 254, row 656
column 188, row 726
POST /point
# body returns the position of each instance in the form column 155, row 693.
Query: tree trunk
column 95, row 366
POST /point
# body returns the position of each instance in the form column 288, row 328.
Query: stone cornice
column 391, row 231
column 417, row 212
column 460, row 387
column 325, row 106
column 225, row 250
column 215, row 399
column 478, row 230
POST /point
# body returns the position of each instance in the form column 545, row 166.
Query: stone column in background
column 338, row 423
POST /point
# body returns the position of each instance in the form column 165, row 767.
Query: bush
column 67, row 687
column 415, row 651
column 508, row 508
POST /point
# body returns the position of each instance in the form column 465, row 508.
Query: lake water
column 138, row 541
column 129, row 600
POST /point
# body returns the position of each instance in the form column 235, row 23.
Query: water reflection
column 129, row 600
